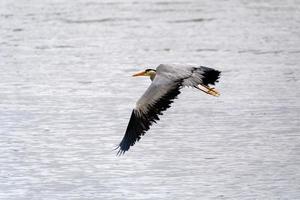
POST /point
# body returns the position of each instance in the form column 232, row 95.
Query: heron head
column 148, row 72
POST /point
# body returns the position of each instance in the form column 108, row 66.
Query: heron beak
column 143, row 73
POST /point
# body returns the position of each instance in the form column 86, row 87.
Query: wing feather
column 202, row 76
column 145, row 114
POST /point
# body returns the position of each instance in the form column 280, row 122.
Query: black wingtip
column 120, row 151
column 135, row 129
column 139, row 123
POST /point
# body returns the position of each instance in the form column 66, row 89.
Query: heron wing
column 191, row 75
column 157, row 98
column 199, row 77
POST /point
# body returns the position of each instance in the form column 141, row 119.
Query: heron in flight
column 167, row 80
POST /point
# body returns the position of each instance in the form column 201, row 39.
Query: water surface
column 67, row 94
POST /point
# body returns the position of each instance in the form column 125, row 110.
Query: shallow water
column 67, row 94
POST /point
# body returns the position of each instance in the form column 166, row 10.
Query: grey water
column 66, row 94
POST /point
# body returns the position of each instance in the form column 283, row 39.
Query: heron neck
column 152, row 76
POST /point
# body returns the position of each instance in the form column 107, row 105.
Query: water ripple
column 89, row 21
column 191, row 20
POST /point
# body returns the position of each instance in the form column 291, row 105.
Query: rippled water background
column 67, row 93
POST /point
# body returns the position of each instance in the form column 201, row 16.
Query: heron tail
column 210, row 75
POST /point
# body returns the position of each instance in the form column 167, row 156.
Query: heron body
column 167, row 80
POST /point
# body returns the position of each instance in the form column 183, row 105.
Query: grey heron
column 167, row 80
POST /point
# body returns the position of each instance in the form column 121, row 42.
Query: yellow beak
column 143, row 73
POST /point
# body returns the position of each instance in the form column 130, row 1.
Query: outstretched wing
column 157, row 98
column 199, row 77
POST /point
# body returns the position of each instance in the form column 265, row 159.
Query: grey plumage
column 167, row 82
